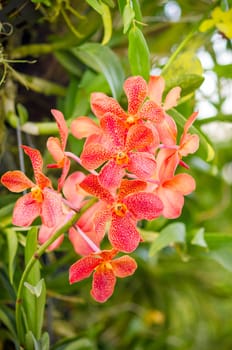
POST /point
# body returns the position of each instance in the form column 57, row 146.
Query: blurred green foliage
column 52, row 55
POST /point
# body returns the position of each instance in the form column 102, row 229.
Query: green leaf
column 110, row 3
column 69, row 62
column 7, row 321
column 128, row 16
column 103, row 60
column 31, row 342
column 138, row 53
column 172, row 233
column 223, row 256
column 22, row 112
column 199, row 239
column 45, row 341
column 205, row 150
column 77, row 344
column 35, row 290
column 12, row 242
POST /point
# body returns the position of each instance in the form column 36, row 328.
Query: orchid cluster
column 129, row 161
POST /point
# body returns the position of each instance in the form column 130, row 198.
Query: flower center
column 37, row 194
column 131, row 120
column 122, row 158
column 120, row 209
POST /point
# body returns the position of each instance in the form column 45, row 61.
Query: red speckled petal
column 100, row 221
column 123, row 234
column 136, row 92
column 51, row 208
column 36, row 159
column 115, row 128
column 144, row 205
column 92, row 186
column 94, row 155
column 139, row 136
column 16, row 181
column 111, row 175
column 83, row 268
column 102, row 104
column 103, row 284
column 43, row 181
column 72, row 191
column 65, row 170
column 130, row 186
column 156, row 87
column 80, row 245
column 84, row 127
column 124, row 266
column 142, row 164
column 26, row 210
column 151, row 111
column 62, row 126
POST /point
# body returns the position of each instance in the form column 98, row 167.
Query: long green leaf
column 205, row 150
column 103, row 60
column 138, row 53
column 12, row 242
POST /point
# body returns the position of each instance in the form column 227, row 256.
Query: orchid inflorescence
column 131, row 158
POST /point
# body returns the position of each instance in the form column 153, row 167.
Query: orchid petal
column 115, row 128
column 172, row 98
column 51, row 208
column 80, row 245
column 84, row 127
column 189, row 144
column 151, row 111
column 83, row 268
column 65, row 170
column 101, row 104
column 183, row 183
column 167, row 131
column 123, row 234
column 190, row 121
column 100, row 220
column 156, row 87
column 94, row 155
column 136, row 91
column 62, row 126
column 36, row 159
column 91, row 185
column 144, row 205
column 173, row 202
column 139, row 136
column 103, row 284
column 16, row 181
column 55, row 149
column 124, row 266
column 130, row 186
column 26, row 210
column 111, row 175
column 72, row 191
column 142, row 164
column 45, row 233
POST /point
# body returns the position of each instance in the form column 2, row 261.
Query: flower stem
column 35, row 257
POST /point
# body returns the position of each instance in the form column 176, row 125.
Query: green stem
column 218, row 118
column 35, row 257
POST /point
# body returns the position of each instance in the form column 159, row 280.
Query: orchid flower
column 105, row 269
column 123, row 209
column 42, row 200
column 123, row 151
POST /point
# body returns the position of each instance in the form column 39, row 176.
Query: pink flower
column 123, row 209
column 42, row 200
column 105, row 268
column 57, row 147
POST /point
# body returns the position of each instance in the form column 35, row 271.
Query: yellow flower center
column 37, row 194
column 122, row 158
column 131, row 120
column 120, row 209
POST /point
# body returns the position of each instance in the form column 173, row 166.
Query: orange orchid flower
column 105, row 269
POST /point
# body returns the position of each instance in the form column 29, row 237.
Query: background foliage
column 53, row 54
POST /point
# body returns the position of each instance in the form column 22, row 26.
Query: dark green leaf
column 69, row 62
column 12, row 242
column 138, row 53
